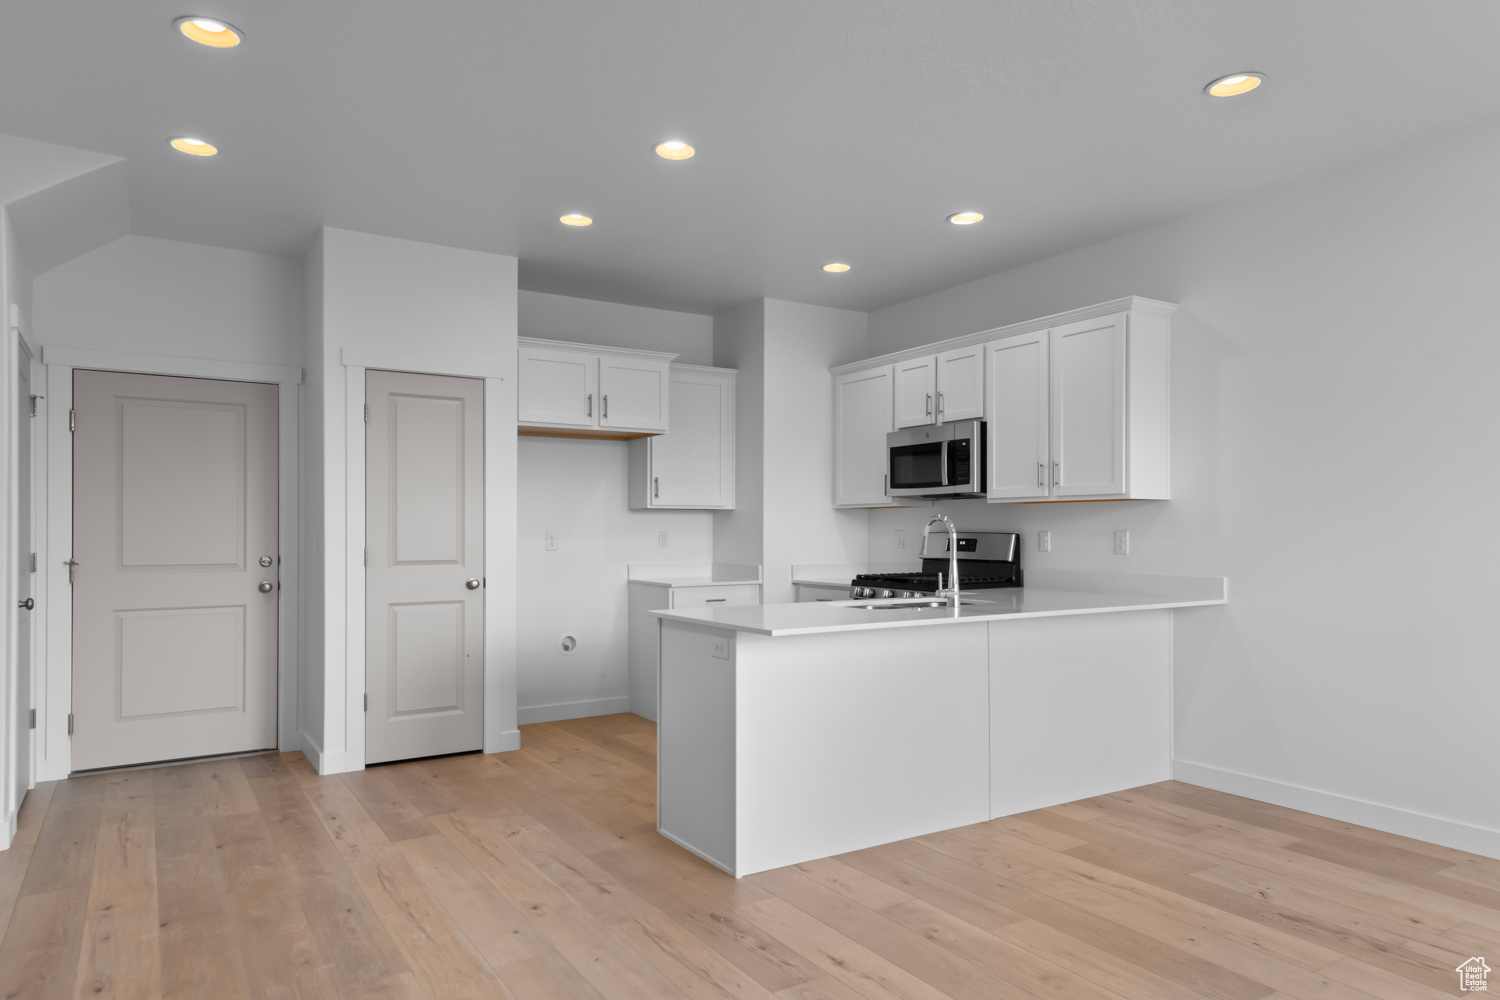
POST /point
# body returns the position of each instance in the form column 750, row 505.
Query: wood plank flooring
column 538, row 875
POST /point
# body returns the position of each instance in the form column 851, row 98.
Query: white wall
column 578, row 489
column 154, row 296
column 385, row 294
column 16, row 677
column 587, row 321
column 1334, row 431
column 739, row 343
column 801, row 343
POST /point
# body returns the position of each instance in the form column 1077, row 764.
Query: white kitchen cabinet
column 916, row 392
column 691, row 467
column 1080, row 412
column 808, row 592
column 863, row 414
column 1017, row 430
column 960, row 384
column 677, row 587
column 940, row 387
column 589, row 391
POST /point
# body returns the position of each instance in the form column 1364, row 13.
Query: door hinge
column 70, row 563
column 70, row 723
column 367, row 701
column 33, row 562
column 367, row 413
column 33, row 403
column 32, row 719
column 72, row 421
column 367, row 557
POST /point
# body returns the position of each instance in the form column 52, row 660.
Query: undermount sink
column 901, row 604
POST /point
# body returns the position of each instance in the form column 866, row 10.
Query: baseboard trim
column 572, row 710
column 8, row 832
column 506, row 741
column 323, row 762
column 1402, row 822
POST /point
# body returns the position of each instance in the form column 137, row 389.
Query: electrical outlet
column 661, row 539
column 1122, row 543
column 551, row 538
column 720, row 648
column 900, row 539
column 1044, row 541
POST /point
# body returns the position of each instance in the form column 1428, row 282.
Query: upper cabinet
column 1080, row 411
column 691, row 467
column 939, row 387
column 863, row 414
column 1075, row 405
column 588, row 391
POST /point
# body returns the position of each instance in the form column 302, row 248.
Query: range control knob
column 887, row 593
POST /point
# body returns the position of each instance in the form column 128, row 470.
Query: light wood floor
column 538, row 874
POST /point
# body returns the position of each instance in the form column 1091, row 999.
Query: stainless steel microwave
column 936, row 462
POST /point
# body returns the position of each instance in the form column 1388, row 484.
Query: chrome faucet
column 950, row 592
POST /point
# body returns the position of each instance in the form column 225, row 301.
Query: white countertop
column 693, row 574
column 1000, row 605
column 727, row 580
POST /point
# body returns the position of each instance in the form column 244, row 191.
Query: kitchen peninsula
column 789, row 732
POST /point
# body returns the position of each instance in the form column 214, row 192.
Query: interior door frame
column 499, row 681
column 53, row 514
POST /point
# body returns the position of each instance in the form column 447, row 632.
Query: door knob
column 265, row 587
column 472, row 583
column 265, row 560
column 28, row 604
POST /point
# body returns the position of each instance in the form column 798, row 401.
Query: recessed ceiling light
column 965, row 218
column 193, row 147
column 208, row 31
column 574, row 219
column 836, row 268
column 1234, row 84
column 674, row 149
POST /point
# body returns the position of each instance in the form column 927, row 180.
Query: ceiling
column 828, row 130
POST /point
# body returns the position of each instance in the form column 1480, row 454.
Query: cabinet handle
column 929, row 405
column 656, row 488
column 1056, row 472
column 591, row 405
column 604, row 405
column 940, row 406
column 715, row 600
column 1041, row 474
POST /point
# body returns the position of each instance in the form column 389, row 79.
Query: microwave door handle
column 943, row 451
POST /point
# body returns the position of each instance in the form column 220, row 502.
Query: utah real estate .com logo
column 1472, row 975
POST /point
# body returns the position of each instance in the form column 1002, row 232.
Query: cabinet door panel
column 960, row 384
column 1088, row 407
column 632, row 394
column 1017, row 428
column 916, row 392
column 692, row 464
column 557, row 388
column 862, row 419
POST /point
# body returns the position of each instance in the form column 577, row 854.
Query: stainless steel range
column 986, row 559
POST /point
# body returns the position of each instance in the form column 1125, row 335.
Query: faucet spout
column 950, row 591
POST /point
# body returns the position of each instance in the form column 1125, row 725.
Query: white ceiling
column 828, row 129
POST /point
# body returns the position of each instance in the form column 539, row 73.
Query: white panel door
column 557, row 388
column 1017, row 428
column 862, row 418
column 1088, row 407
column 960, row 384
column 692, row 465
column 916, row 392
column 424, row 615
column 22, row 547
column 175, row 587
column 632, row 394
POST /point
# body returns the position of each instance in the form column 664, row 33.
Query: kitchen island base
column 775, row 750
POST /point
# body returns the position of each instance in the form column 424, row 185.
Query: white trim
column 1130, row 303
column 703, row 369
column 1391, row 819
column 614, row 352
column 499, row 605
column 426, row 364
column 161, row 364
column 572, row 710
column 55, row 756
